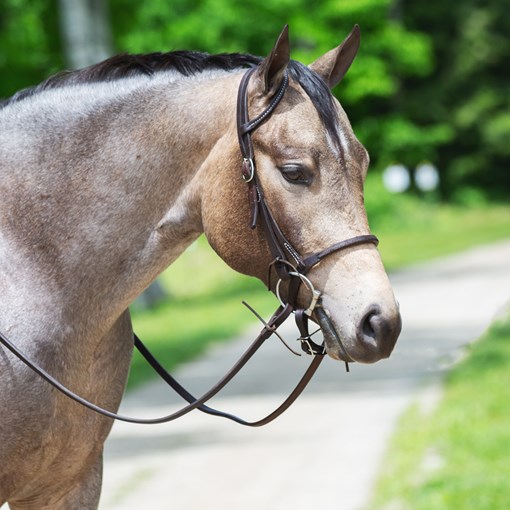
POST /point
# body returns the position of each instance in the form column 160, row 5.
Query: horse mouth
column 374, row 338
column 334, row 345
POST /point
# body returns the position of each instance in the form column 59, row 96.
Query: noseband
column 289, row 265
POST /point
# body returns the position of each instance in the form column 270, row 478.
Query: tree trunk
column 85, row 30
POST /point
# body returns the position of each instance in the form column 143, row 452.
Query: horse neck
column 121, row 200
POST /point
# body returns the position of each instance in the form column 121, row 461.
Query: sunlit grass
column 437, row 230
column 413, row 229
column 468, row 438
column 204, row 307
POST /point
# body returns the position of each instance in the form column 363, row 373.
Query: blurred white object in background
column 426, row 177
column 396, row 178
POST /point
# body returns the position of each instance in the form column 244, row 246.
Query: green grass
column 204, row 308
column 437, row 230
column 413, row 230
column 205, row 295
column 468, row 436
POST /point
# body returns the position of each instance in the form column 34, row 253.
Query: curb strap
column 307, row 344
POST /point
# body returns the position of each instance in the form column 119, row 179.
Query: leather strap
column 307, row 344
column 287, row 261
column 285, row 256
column 194, row 403
column 246, row 126
column 186, row 395
column 314, row 259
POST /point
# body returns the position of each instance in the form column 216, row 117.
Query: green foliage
column 29, row 43
column 390, row 52
column 467, row 438
column 468, row 88
column 430, row 82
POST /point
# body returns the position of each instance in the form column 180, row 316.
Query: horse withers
column 106, row 175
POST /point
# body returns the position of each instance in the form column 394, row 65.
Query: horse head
column 312, row 169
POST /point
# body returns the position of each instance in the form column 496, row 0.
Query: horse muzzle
column 372, row 339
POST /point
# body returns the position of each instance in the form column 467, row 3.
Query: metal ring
column 315, row 293
column 302, row 277
column 252, row 170
column 277, row 291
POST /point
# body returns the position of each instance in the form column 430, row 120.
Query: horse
column 107, row 174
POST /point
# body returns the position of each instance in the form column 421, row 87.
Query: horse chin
column 335, row 347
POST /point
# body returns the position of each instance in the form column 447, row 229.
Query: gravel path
column 326, row 451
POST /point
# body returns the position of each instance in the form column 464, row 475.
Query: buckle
column 248, row 170
column 310, row 347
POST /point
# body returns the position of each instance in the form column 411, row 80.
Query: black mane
column 187, row 63
column 121, row 66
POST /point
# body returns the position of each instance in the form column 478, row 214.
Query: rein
column 289, row 266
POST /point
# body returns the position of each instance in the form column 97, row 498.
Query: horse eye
column 295, row 174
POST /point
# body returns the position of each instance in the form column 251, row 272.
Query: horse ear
column 273, row 67
column 333, row 65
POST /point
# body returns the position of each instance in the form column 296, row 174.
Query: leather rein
column 289, row 266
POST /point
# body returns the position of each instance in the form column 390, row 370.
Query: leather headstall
column 287, row 262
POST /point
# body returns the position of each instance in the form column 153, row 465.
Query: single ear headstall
column 287, row 262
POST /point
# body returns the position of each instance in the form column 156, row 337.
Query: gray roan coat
column 106, row 175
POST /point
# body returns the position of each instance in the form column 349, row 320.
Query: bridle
column 289, row 265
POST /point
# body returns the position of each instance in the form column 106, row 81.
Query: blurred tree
column 35, row 33
column 469, row 88
column 29, row 43
column 86, row 32
column 390, row 53
column 430, row 81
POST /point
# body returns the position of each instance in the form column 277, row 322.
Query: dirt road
column 326, row 451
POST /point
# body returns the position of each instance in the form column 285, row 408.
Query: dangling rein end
column 269, row 328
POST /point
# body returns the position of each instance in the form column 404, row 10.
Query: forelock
column 321, row 97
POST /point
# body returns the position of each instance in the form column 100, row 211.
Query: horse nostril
column 378, row 333
column 368, row 326
column 368, row 329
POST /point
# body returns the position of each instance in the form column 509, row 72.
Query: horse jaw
column 359, row 315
